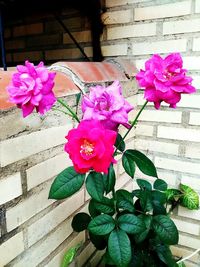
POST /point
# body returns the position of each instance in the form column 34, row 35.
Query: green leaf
column 66, row 184
column 95, row 186
column 158, row 201
column 147, row 219
column 165, row 255
column 69, row 255
column 128, row 164
column 119, row 248
column 172, row 194
column 107, row 259
column 143, row 184
column 181, row 264
column 109, row 179
column 144, row 164
column 92, row 209
column 105, row 206
column 98, row 241
column 160, row 184
column 131, row 224
column 80, row 221
column 119, row 143
column 124, row 200
column 146, row 201
column 165, row 228
column 101, row 225
column 190, row 198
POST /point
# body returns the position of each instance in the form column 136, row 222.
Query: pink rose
column 31, row 87
column 165, row 80
column 107, row 105
column 91, row 146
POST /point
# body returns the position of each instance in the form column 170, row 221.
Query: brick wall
column 41, row 37
column 36, row 231
column 136, row 29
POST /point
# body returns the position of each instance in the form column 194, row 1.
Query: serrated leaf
column 143, row 163
column 66, row 184
column 101, row 225
column 143, row 184
column 165, row 228
column 109, row 179
column 124, row 200
column 119, row 248
column 95, row 186
column 128, row 164
column 119, row 143
column 80, row 221
column 160, row 184
column 131, row 224
column 189, row 198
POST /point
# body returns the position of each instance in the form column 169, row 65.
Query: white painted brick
column 10, row 188
column 97, row 257
column 161, row 116
column 181, row 26
column 193, row 151
column 146, row 130
column 194, row 118
column 114, row 17
column 21, row 147
column 191, row 181
column 140, row 63
column 177, row 165
column 47, row 169
column 197, row 6
column 114, row 50
column 48, row 222
column 178, row 133
column 189, row 241
column 57, row 260
column 196, row 81
column 192, row 63
column 33, row 256
column 135, row 30
column 85, row 254
column 193, row 214
column 11, row 249
column 182, row 252
column 169, row 177
column 167, row 46
column 189, row 101
column 187, row 227
column 163, row 11
column 196, row 44
column 122, row 180
column 24, row 210
column 111, row 3
column 156, row 146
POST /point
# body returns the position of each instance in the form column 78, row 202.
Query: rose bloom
column 107, row 105
column 31, row 87
column 165, row 80
column 91, row 146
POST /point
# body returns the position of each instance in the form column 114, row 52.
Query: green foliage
column 160, row 184
column 101, row 225
column 189, row 198
column 119, row 248
column 119, row 143
column 131, row 224
column 66, row 184
column 69, row 255
column 80, row 221
column 95, row 185
column 109, row 179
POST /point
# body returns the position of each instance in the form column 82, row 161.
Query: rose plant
column 134, row 228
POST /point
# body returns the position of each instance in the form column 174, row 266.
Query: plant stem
column 69, row 109
column 132, row 125
column 60, row 110
column 188, row 257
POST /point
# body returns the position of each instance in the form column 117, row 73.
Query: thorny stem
column 69, row 109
